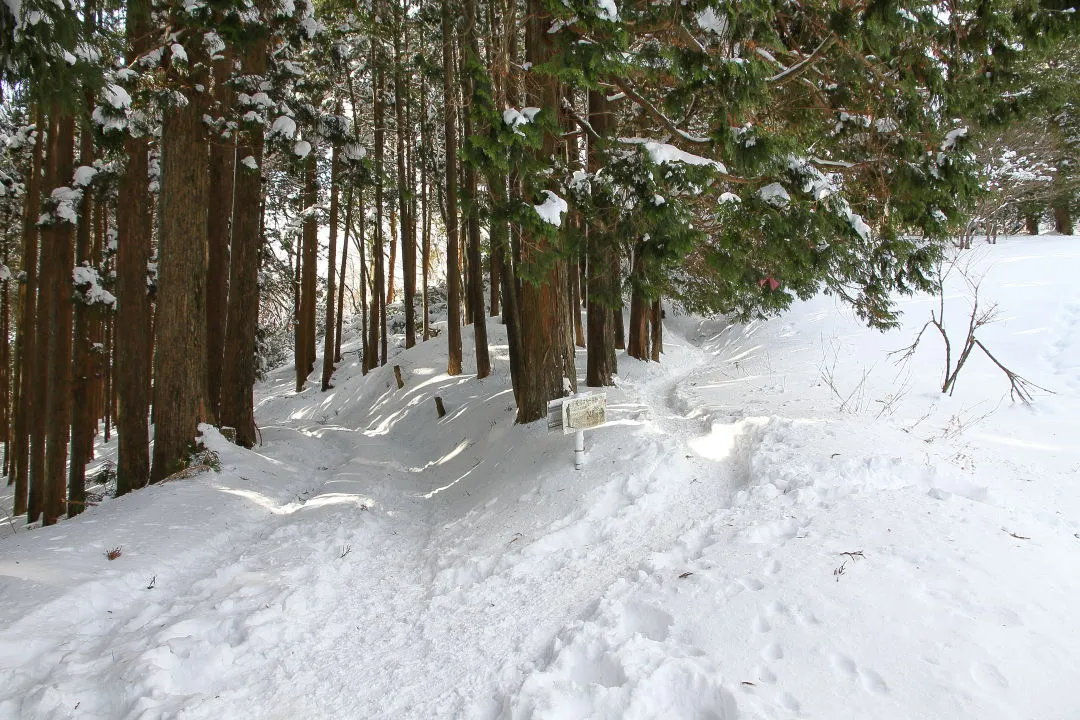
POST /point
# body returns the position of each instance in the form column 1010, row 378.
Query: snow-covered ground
column 776, row 522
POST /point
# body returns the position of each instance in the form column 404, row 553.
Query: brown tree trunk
column 390, row 276
column 83, row 420
column 219, row 214
column 405, row 186
column 341, row 276
column 1031, row 222
column 180, row 356
column 242, row 322
column 378, row 310
column 469, row 194
column 657, row 338
column 131, row 379
column 305, row 353
column 1063, row 223
column 331, row 273
column 602, row 265
column 543, row 302
column 637, row 345
column 5, row 356
column 369, row 333
column 27, row 353
column 453, row 301
column 425, row 209
column 57, row 245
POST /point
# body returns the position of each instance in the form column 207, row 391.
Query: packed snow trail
column 774, row 524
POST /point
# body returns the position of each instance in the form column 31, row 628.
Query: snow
column 94, row 293
column 552, row 209
column 775, row 195
column 776, row 522
column 84, row 175
column 116, row 96
column 708, row 20
column 302, row 148
column 250, row 162
column 514, row 117
column 66, row 201
column 284, row 126
column 607, row 10
column 662, row 153
column 951, row 137
column 179, row 54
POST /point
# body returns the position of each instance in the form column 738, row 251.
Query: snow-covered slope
column 776, row 522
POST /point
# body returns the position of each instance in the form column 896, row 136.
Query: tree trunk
column 219, row 214
column 543, row 301
column 131, row 378
column 378, row 310
column 425, row 209
column 602, row 265
column 180, row 356
column 27, row 353
column 657, row 338
column 83, row 419
column 471, row 79
column 242, row 323
column 405, row 187
column 57, row 245
column 637, row 345
column 341, row 276
column 453, row 304
column 329, row 354
column 390, row 293
column 1031, row 222
column 305, row 353
column 1063, row 223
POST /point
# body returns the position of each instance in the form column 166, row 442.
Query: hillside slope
column 776, row 522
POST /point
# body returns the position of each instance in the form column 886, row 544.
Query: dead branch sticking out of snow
column 1019, row 387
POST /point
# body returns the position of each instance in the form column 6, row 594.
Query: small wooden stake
column 397, row 375
column 439, row 406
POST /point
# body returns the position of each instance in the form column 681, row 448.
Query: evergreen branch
column 803, row 65
column 659, row 114
column 581, row 122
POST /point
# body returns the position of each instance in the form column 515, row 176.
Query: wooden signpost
column 576, row 414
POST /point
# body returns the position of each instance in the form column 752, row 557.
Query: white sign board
column 573, row 414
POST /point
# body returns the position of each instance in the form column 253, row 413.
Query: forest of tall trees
column 193, row 192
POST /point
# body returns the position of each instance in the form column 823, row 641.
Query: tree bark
column 453, row 303
column 83, row 419
column 131, row 378
column 378, row 310
column 543, row 300
column 305, row 352
column 341, row 276
column 57, row 243
column 637, row 345
column 27, row 353
column 602, row 264
column 473, row 69
column 329, row 354
column 219, row 215
column 180, row 357
column 1063, row 223
column 242, row 323
column 405, row 186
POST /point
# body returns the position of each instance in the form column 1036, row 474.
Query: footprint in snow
column 772, row 652
column 850, row 671
column 988, row 676
column 761, row 625
column 752, row 584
